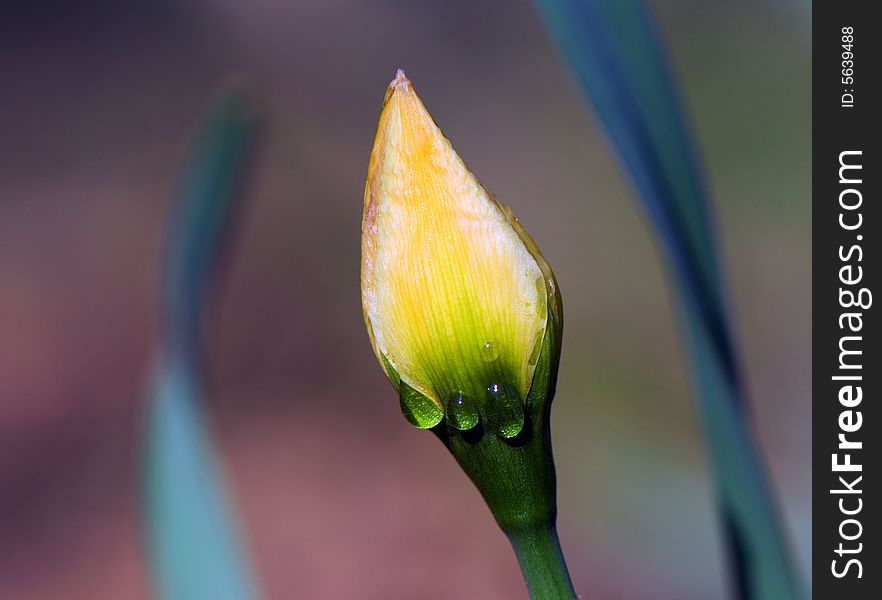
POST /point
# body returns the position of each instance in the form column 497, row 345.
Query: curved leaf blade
column 192, row 543
column 614, row 52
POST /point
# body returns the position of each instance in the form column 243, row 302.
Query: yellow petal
column 455, row 294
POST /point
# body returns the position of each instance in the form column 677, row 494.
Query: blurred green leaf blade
column 614, row 51
column 192, row 541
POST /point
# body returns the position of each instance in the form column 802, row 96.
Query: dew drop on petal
column 505, row 414
column 417, row 409
column 462, row 411
column 489, row 351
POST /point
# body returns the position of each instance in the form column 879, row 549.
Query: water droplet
column 462, row 411
column 489, row 351
column 417, row 409
column 505, row 415
column 390, row 370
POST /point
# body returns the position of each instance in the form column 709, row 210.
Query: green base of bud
column 504, row 446
column 516, row 477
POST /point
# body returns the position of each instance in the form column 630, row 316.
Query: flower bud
column 465, row 317
column 458, row 302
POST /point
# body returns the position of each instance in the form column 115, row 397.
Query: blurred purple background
column 338, row 497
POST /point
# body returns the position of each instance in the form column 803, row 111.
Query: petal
column 453, row 297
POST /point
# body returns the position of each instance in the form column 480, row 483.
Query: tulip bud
column 465, row 317
column 457, row 298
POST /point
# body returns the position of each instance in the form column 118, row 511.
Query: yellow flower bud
column 456, row 297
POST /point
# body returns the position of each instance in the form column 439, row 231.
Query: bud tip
column 400, row 80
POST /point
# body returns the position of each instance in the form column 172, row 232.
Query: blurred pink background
column 338, row 496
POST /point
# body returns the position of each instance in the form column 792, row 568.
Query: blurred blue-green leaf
column 614, row 51
column 192, row 540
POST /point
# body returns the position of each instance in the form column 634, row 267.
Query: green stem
column 542, row 563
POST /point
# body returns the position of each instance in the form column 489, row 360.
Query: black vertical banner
column 846, row 265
